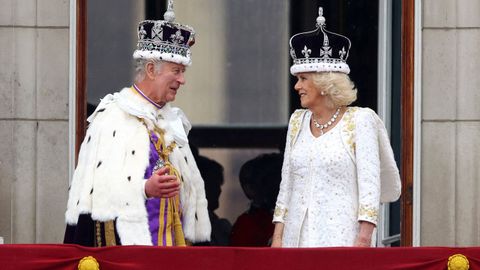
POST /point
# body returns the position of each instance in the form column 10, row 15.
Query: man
column 136, row 182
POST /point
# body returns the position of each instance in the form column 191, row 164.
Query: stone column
column 450, row 213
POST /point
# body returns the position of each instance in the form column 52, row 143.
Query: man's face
column 167, row 82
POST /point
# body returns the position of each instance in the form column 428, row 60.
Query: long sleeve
column 368, row 165
column 283, row 198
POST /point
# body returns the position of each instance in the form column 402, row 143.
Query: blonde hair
column 337, row 86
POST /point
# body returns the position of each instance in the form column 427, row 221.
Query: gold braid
column 164, row 151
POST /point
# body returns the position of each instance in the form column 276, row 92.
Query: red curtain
column 61, row 257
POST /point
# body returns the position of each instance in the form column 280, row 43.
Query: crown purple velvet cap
column 165, row 40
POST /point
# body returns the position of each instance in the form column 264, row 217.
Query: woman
column 331, row 189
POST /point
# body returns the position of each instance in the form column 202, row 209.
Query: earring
column 323, row 93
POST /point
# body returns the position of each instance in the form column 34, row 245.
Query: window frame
column 78, row 115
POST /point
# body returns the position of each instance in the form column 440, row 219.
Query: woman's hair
column 141, row 64
column 337, row 86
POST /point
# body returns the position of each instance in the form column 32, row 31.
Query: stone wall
column 450, row 211
column 34, row 42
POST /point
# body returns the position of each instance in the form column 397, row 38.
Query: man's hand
column 162, row 185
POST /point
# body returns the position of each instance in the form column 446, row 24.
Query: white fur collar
column 170, row 119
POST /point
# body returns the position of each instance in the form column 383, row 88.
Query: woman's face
column 309, row 94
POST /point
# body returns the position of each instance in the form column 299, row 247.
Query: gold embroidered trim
column 349, row 127
column 109, row 233
column 280, row 212
column 173, row 222
column 98, row 232
column 162, row 148
column 295, row 125
column 369, row 212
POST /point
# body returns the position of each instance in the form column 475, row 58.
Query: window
column 239, row 91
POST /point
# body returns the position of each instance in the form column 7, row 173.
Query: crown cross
column 326, row 52
column 342, row 53
column 177, row 38
column 306, row 51
column 157, row 31
column 142, row 33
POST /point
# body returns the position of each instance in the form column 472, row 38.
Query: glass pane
column 239, row 74
column 233, row 201
column 111, row 41
column 254, row 201
column 238, row 77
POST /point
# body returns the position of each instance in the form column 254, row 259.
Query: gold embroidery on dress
column 369, row 212
column 295, row 125
column 349, row 127
column 280, row 212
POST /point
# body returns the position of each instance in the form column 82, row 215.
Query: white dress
column 324, row 193
column 332, row 196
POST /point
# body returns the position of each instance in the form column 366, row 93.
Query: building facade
column 39, row 79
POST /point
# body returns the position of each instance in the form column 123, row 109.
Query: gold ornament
column 88, row 263
column 458, row 262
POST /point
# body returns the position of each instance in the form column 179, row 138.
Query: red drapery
column 61, row 257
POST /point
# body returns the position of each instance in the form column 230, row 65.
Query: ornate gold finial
column 88, row 263
column 458, row 262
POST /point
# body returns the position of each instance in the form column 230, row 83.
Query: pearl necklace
column 329, row 123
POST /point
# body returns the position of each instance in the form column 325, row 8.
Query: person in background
column 136, row 182
column 332, row 183
column 260, row 181
column 212, row 173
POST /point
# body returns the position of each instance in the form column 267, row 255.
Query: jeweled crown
column 165, row 39
column 319, row 50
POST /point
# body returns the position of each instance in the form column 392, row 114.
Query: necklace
column 329, row 123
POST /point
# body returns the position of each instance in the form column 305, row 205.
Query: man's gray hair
column 141, row 64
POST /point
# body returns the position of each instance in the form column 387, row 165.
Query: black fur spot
column 78, row 202
column 99, row 163
column 114, row 133
column 133, row 152
column 127, row 204
column 181, row 178
column 101, row 110
column 186, row 160
column 129, row 178
column 69, row 187
column 196, row 217
column 91, row 191
column 89, row 138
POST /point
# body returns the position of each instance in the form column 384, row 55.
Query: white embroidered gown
column 323, row 207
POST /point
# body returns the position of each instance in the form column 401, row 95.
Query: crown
column 319, row 50
column 165, row 39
